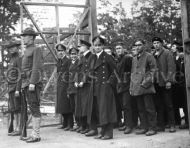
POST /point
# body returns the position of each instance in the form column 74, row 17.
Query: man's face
column 139, row 47
column 13, row 50
column 134, row 51
column 157, row 45
column 27, row 39
column 174, row 48
column 60, row 52
column 98, row 47
column 73, row 55
column 119, row 50
column 83, row 48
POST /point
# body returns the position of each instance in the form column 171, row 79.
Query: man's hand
column 76, row 84
column 168, row 85
column 31, row 87
column 81, row 84
column 17, row 93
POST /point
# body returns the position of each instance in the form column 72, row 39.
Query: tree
column 9, row 16
column 162, row 18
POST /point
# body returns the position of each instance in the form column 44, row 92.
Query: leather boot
column 35, row 136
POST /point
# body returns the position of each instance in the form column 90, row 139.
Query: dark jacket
column 14, row 73
column 83, row 92
column 62, row 102
column 165, row 67
column 32, row 64
column 102, row 84
column 124, row 64
column 142, row 74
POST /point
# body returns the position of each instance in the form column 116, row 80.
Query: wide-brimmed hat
column 13, row 44
column 63, row 47
column 29, row 31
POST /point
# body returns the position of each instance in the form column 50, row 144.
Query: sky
column 45, row 16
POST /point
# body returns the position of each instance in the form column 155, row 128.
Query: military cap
column 63, row 48
column 100, row 38
column 83, row 42
column 119, row 43
column 73, row 49
column 29, row 31
column 13, row 44
column 157, row 39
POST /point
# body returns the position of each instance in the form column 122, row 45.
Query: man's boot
column 35, row 136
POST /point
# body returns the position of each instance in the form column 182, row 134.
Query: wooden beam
column 54, row 4
column 38, row 29
column 69, row 33
column 185, row 34
column 93, row 19
column 57, row 23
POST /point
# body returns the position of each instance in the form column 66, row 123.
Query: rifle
column 24, row 116
column 10, row 126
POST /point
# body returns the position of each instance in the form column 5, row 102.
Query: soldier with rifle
column 32, row 63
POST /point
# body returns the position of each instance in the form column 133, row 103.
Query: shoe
column 84, row 131
column 128, row 130
column 15, row 133
column 98, row 137
column 67, row 128
column 10, row 134
column 71, row 129
column 122, row 128
column 75, row 128
column 92, row 133
column 61, row 127
column 107, row 137
column 172, row 129
column 184, row 126
column 79, row 129
column 33, row 139
column 160, row 129
column 141, row 131
column 24, row 138
column 150, row 133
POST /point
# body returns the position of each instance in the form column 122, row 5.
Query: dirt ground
column 57, row 138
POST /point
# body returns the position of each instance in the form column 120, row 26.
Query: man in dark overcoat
column 83, row 84
column 142, row 88
column 124, row 64
column 32, row 63
column 72, row 90
column 62, row 102
column 14, row 86
column 163, row 84
column 101, row 105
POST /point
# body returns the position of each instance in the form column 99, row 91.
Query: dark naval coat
column 103, row 81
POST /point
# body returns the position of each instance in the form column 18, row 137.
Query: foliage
column 9, row 16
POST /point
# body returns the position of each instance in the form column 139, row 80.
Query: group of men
column 96, row 89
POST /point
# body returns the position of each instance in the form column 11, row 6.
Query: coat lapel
column 99, row 61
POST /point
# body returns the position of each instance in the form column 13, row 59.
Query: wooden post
column 185, row 33
column 93, row 19
column 57, row 23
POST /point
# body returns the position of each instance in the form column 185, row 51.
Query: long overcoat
column 103, row 80
column 62, row 102
column 83, row 92
column 73, row 72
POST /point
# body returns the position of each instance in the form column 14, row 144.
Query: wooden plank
column 57, row 23
column 54, row 4
column 69, row 33
column 93, row 19
column 185, row 34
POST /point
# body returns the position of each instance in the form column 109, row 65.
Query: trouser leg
column 142, row 112
column 126, row 101
column 150, row 111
